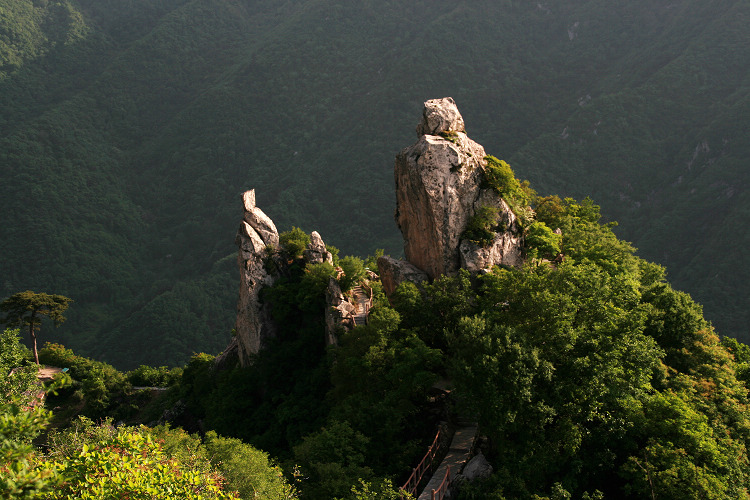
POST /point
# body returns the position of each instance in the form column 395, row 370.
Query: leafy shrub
column 100, row 383
column 381, row 489
column 542, row 241
column 354, row 271
column 501, row 178
column 130, row 464
column 247, row 470
column 151, row 376
column 312, row 287
column 334, row 254
column 20, row 422
column 83, row 430
column 21, row 386
column 334, row 457
column 294, row 242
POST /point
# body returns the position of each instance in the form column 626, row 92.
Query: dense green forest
column 127, row 129
column 590, row 378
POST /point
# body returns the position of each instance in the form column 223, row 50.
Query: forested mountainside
column 587, row 376
column 129, row 128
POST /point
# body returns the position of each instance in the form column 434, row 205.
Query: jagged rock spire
column 257, row 238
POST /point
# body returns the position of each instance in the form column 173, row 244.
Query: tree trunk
column 33, row 337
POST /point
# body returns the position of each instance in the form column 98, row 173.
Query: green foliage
column 683, row 455
column 380, row 381
column 18, row 383
column 247, row 470
column 551, row 210
column 151, row 376
column 741, row 353
column 281, row 397
column 500, row 177
column 20, row 476
column 12, row 352
column 431, row 310
column 371, row 262
column 376, row 490
column 334, row 254
column 481, row 227
column 21, row 420
column 450, row 135
column 334, row 457
column 599, row 374
column 294, row 242
column 541, row 241
column 225, row 462
column 354, row 272
column 130, row 463
column 81, row 431
column 101, row 386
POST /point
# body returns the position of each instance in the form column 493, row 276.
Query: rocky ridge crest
column 441, row 186
column 261, row 262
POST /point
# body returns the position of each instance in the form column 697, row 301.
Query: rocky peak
column 261, row 262
column 440, row 185
column 260, row 222
column 257, row 239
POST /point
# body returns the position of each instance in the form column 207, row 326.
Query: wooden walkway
column 459, row 453
column 363, row 305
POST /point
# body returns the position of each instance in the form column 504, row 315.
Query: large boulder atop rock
column 440, row 115
column 393, row 272
column 257, row 239
column 440, row 184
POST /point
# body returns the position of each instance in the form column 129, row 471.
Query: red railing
column 367, row 305
column 418, row 473
column 440, row 493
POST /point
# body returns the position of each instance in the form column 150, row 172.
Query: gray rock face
column 316, row 252
column 478, row 467
column 256, row 238
column 439, row 187
column 260, row 222
column 393, row 272
column 339, row 312
column 505, row 248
